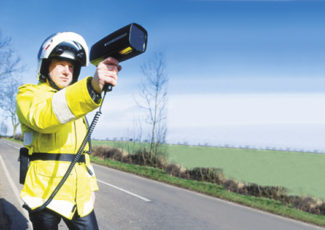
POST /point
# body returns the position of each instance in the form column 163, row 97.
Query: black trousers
column 49, row 220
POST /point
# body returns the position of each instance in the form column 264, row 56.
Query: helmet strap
column 52, row 83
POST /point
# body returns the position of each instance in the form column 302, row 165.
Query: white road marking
column 123, row 190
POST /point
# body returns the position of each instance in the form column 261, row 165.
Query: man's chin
column 62, row 86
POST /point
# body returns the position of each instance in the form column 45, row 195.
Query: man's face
column 61, row 72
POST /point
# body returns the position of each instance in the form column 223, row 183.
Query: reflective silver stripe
column 28, row 138
column 61, row 108
column 63, row 207
column 89, row 205
column 60, row 206
column 33, row 201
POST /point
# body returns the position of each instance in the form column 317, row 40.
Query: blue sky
column 235, row 52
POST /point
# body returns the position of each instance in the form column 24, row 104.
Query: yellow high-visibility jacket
column 53, row 122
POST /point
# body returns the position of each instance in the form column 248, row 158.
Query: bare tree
column 3, row 129
column 9, row 65
column 153, row 99
column 8, row 102
column 9, row 62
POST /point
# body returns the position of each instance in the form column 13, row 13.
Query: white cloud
column 285, row 120
column 247, row 109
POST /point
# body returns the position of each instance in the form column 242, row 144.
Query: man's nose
column 66, row 69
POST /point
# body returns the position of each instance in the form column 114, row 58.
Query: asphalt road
column 128, row 202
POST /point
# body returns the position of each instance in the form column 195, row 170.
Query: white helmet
column 66, row 45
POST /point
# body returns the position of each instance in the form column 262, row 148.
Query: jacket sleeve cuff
column 79, row 99
column 93, row 94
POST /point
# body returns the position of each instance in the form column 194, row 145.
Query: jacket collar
column 46, row 87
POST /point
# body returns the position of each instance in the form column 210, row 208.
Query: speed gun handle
column 107, row 87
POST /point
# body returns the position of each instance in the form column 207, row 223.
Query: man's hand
column 106, row 72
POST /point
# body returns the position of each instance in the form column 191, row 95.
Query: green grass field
column 300, row 173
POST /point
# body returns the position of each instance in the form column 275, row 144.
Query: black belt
column 55, row 157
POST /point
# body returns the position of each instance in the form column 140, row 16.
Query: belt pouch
column 24, row 163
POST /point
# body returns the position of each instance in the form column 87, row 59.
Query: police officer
column 52, row 116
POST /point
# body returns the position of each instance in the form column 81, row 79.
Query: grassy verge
column 12, row 139
column 214, row 190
